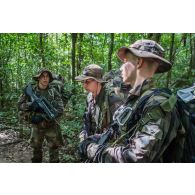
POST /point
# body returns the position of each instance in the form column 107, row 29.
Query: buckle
column 122, row 115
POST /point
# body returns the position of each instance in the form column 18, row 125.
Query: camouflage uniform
column 100, row 109
column 50, row 130
column 152, row 135
column 115, row 81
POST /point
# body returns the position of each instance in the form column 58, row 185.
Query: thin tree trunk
column 1, row 91
column 192, row 67
column 41, row 41
column 91, row 47
column 74, row 39
column 80, row 55
column 154, row 36
column 110, row 51
column 171, row 58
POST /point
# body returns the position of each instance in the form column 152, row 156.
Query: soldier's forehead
column 45, row 73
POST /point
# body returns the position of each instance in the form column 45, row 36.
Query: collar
column 140, row 89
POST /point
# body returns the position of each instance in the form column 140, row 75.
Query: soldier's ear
column 140, row 62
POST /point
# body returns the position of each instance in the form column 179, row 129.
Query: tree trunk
column 110, row 51
column 6, row 53
column 1, row 91
column 41, row 42
column 103, row 47
column 73, row 52
column 80, row 55
column 91, row 47
column 171, row 58
column 154, row 36
column 192, row 68
column 184, row 39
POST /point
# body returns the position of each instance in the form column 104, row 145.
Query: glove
column 33, row 106
column 98, row 154
column 82, row 149
column 36, row 119
column 83, row 135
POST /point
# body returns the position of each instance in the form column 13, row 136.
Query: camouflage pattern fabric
column 115, row 81
column 157, row 136
column 101, row 110
column 59, row 86
column 45, row 129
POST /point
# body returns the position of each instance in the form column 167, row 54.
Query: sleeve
column 23, row 103
column 143, row 146
column 85, row 131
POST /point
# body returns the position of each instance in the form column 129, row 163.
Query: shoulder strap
column 140, row 103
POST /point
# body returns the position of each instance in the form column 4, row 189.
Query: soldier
column 42, row 127
column 153, row 131
column 101, row 101
column 58, row 83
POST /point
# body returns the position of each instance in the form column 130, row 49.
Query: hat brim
column 164, row 66
column 36, row 77
column 81, row 78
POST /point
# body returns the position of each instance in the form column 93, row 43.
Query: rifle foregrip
column 105, row 138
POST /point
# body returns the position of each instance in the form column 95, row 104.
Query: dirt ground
column 16, row 149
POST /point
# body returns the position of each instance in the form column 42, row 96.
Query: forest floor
column 15, row 148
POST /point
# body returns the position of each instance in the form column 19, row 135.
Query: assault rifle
column 120, row 118
column 42, row 102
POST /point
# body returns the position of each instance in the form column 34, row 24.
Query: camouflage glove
column 82, row 149
column 98, row 153
column 83, row 135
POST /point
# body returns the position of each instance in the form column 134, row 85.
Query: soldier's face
column 44, row 80
column 90, row 85
column 128, row 70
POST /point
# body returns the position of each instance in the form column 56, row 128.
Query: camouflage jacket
column 153, row 135
column 50, row 94
column 101, row 109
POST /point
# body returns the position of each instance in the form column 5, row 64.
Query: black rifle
column 87, row 123
column 42, row 102
column 112, row 130
column 120, row 118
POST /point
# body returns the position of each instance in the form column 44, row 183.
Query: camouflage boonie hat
column 41, row 71
column 92, row 71
column 146, row 49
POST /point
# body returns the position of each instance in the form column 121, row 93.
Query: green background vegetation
column 21, row 55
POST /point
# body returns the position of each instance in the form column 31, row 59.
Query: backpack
column 114, row 79
column 186, row 107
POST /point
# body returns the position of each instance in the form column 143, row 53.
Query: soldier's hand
column 82, row 149
column 33, row 106
column 83, row 135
